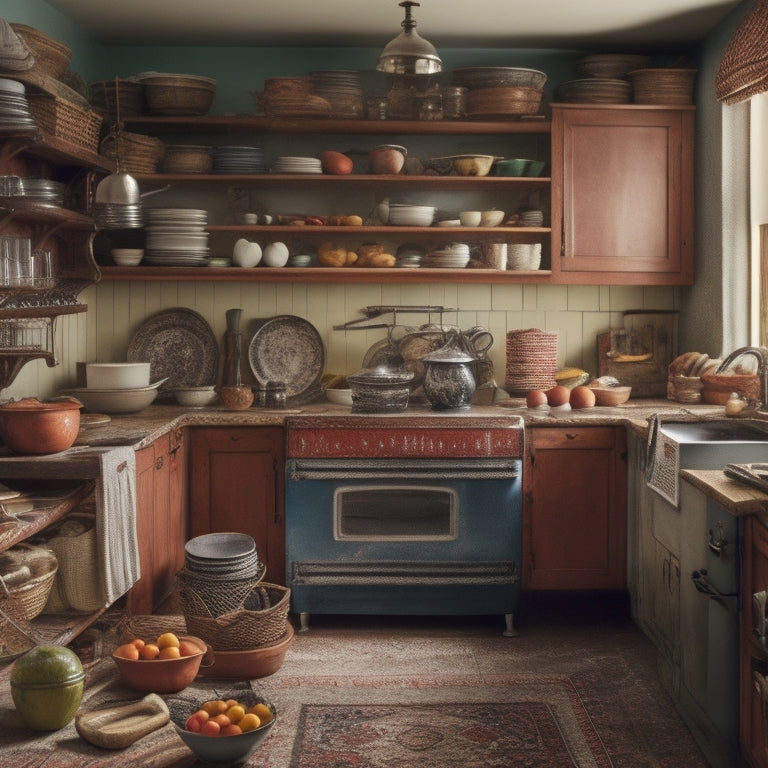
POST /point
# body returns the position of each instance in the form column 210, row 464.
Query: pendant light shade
column 743, row 71
column 409, row 53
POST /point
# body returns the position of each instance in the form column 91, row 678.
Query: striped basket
column 531, row 361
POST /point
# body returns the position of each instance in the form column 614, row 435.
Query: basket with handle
column 261, row 621
column 26, row 581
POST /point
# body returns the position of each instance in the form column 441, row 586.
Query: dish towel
column 116, row 521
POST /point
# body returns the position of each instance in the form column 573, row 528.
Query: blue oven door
column 426, row 536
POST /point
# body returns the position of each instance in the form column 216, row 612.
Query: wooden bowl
column 610, row 396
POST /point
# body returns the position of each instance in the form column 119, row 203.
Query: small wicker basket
column 260, row 622
column 26, row 600
column 51, row 56
column 66, row 121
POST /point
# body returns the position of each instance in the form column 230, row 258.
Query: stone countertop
column 737, row 498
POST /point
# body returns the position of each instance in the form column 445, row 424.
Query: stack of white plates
column 238, row 160
column 15, row 116
column 409, row 256
column 451, row 256
column 176, row 237
column 287, row 164
column 532, row 218
column 404, row 215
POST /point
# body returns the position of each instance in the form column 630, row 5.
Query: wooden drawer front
column 576, row 437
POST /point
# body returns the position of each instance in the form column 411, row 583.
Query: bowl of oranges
column 223, row 730
column 166, row 664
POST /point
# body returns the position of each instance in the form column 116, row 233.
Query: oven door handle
column 702, row 585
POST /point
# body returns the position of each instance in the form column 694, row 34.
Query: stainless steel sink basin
column 721, row 431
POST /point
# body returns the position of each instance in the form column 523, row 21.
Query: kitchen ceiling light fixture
column 743, row 70
column 409, row 53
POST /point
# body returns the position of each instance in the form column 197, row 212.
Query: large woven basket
column 137, row 153
column 531, row 360
column 503, row 101
column 26, row 600
column 663, row 86
column 261, row 620
column 213, row 596
column 66, row 121
column 51, row 56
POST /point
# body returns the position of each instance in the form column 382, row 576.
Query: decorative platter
column 289, row 349
column 180, row 346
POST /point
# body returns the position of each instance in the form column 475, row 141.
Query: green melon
column 47, row 687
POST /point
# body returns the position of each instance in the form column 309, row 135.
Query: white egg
column 276, row 255
column 250, row 256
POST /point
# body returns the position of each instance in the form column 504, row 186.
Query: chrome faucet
column 761, row 353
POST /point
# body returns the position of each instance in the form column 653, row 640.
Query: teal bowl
column 517, row 167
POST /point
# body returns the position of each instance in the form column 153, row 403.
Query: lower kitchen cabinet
column 753, row 659
column 236, row 484
column 574, row 508
column 161, row 520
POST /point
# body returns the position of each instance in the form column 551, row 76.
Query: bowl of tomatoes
column 167, row 664
column 223, row 730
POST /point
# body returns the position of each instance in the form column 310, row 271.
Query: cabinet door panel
column 236, row 484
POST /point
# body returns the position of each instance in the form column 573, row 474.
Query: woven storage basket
column 149, row 626
column 78, row 585
column 66, row 121
column 260, row 622
column 23, row 602
column 717, row 387
column 188, row 159
column 109, row 97
column 138, row 153
column 488, row 102
column 51, row 56
column 215, row 595
column 663, row 86
column 531, row 360
column 179, row 95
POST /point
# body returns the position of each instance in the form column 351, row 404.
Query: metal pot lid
column 448, row 354
column 380, row 376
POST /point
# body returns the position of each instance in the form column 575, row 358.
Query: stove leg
column 510, row 631
column 304, row 622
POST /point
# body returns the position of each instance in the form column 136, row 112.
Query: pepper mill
column 232, row 346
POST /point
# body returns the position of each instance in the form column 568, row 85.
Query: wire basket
column 261, row 621
column 25, row 599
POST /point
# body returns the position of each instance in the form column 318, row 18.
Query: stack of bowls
column 377, row 390
column 116, row 388
column 411, row 215
column 220, row 571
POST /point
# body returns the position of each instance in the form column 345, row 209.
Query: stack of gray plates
column 297, row 165
column 15, row 116
column 118, row 215
column 238, row 160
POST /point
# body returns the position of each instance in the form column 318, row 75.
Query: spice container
column 274, row 395
column 454, row 102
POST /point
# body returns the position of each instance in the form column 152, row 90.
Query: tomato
column 196, row 721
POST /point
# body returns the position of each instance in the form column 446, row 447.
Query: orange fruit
column 249, row 722
column 215, row 707
column 222, row 720
column 127, row 651
column 231, row 703
column 167, row 640
column 149, row 651
column 235, row 712
column 196, row 721
column 169, row 652
column 231, row 730
column 210, row 728
column 263, row 712
column 188, row 648
column 138, row 642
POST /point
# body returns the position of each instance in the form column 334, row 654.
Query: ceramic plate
column 289, row 349
column 180, row 347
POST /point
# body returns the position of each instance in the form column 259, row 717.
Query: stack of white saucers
column 409, row 256
column 532, row 218
column 404, row 215
column 287, row 164
column 238, row 160
column 176, row 237
column 15, row 116
column 451, row 256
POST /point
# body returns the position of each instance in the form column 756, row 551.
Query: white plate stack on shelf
column 451, row 256
column 287, row 164
column 241, row 159
column 176, row 237
column 15, row 116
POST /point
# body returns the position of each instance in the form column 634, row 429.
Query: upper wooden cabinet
column 622, row 194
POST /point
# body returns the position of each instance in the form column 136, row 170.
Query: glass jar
column 454, row 102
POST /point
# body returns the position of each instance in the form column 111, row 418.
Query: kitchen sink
column 721, row 431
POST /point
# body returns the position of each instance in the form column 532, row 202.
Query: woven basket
column 51, row 56
column 170, row 95
column 150, row 626
column 213, row 597
column 717, row 387
column 188, row 159
column 663, row 86
column 66, row 121
column 261, row 622
column 77, row 586
column 26, row 601
column 531, row 360
column 138, row 153
column 487, row 102
column 110, row 97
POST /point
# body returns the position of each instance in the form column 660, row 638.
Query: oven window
column 395, row 513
